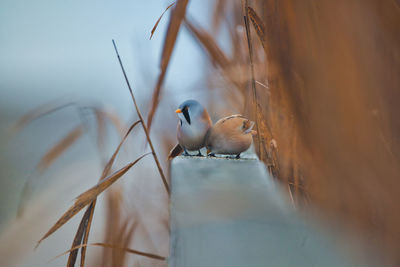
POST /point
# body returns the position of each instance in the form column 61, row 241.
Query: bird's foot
column 211, row 155
column 237, row 156
column 199, row 154
column 185, row 153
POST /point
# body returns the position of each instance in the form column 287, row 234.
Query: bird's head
column 189, row 111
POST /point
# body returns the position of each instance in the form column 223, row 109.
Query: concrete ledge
column 228, row 212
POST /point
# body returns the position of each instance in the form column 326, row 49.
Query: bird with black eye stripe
column 194, row 123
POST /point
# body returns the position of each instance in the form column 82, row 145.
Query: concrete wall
column 228, row 212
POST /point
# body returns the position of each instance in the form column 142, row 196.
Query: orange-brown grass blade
column 176, row 151
column 158, row 21
column 59, row 148
column 218, row 13
column 258, row 25
column 38, row 113
column 129, row 250
column 177, row 15
column 88, row 218
column 215, row 53
column 85, row 198
column 217, row 56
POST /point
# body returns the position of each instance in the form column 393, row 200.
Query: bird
column 230, row 135
column 193, row 126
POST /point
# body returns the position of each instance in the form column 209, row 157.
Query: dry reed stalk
column 177, row 15
column 158, row 20
column 326, row 85
column 146, row 131
column 253, row 81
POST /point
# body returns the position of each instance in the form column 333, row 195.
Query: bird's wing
column 223, row 120
column 248, row 126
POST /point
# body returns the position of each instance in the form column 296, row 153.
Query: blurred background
column 324, row 94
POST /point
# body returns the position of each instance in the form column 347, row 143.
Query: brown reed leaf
column 85, row 198
column 78, row 236
column 129, row 250
column 57, row 150
column 158, row 21
column 87, row 231
column 86, row 221
column 178, row 13
column 258, row 25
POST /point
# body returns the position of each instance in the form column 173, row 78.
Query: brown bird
column 194, row 123
column 230, row 135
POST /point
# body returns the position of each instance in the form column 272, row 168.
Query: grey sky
column 56, row 49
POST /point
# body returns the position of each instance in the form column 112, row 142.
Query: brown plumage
column 230, row 135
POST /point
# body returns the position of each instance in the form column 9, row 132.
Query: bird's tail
column 176, row 151
column 248, row 127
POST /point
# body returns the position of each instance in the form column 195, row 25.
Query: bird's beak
column 178, row 111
